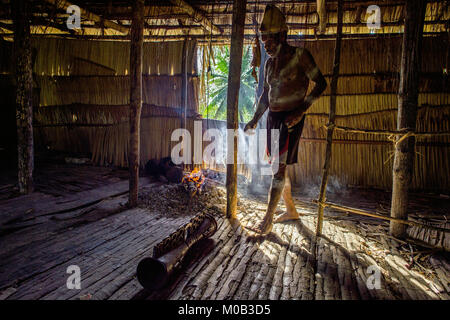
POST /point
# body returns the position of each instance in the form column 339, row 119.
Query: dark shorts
column 288, row 138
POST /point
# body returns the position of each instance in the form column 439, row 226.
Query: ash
column 173, row 200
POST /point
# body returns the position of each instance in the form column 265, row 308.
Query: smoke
column 334, row 187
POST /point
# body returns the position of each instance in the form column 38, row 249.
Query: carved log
column 168, row 255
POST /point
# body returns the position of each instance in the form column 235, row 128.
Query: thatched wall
column 84, row 95
column 85, row 92
column 368, row 100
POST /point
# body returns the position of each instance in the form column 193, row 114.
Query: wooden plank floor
column 289, row 264
column 43, row 233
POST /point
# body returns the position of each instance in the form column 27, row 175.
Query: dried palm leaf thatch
column 115, row 90
column 367, row 159
column 85, row 95
column 61, row 57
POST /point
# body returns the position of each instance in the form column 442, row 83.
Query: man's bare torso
column 287, row 79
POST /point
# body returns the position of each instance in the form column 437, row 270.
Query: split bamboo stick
column 379, row 216
column 334, row 83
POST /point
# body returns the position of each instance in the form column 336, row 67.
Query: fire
column 193, row 181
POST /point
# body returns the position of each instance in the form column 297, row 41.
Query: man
column 286, row 78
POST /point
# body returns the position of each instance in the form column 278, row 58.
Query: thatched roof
column 211, row 20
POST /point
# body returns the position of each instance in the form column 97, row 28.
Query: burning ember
column 193, row 182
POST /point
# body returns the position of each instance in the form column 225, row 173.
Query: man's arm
column 308, row 64
column 261, row 107
column 263, row 104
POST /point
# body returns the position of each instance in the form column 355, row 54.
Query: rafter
column 90, row 16
column 197, row 16
column 40, row 21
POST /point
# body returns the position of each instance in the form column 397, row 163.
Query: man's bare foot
column 280, row 212
column 288, row 216
column 264, row 228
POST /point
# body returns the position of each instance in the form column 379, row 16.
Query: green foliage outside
column 216, row 94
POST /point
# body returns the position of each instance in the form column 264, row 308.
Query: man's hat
column 273, row 21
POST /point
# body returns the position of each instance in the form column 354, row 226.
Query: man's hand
column 250, row 125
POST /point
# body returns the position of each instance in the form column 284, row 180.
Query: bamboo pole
column 334, row 82
column 234, row 79
column 407, row 113
column 379, row 216
column 24, row 95
column 136, row 52
column 401, row 132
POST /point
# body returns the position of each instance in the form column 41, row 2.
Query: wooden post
column 183, row 95
column 24, row 95
column 234, row 81
column 333, row 88
column 407, row 112
column 184, row 84
column 136, row 48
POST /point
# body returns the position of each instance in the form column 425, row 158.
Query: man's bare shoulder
column 305, row 59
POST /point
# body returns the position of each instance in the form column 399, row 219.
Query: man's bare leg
column 291, row 212
column 276, row 189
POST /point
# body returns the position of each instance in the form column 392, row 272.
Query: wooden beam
column 197, row 16
column 407, row 112
column 293, row 27
column 136, row 65
column 225, row 39
column 298, row 2
column 234, row 81
column 333, row 87
column 24, row 94
column 40, row 21
column 63, row 4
